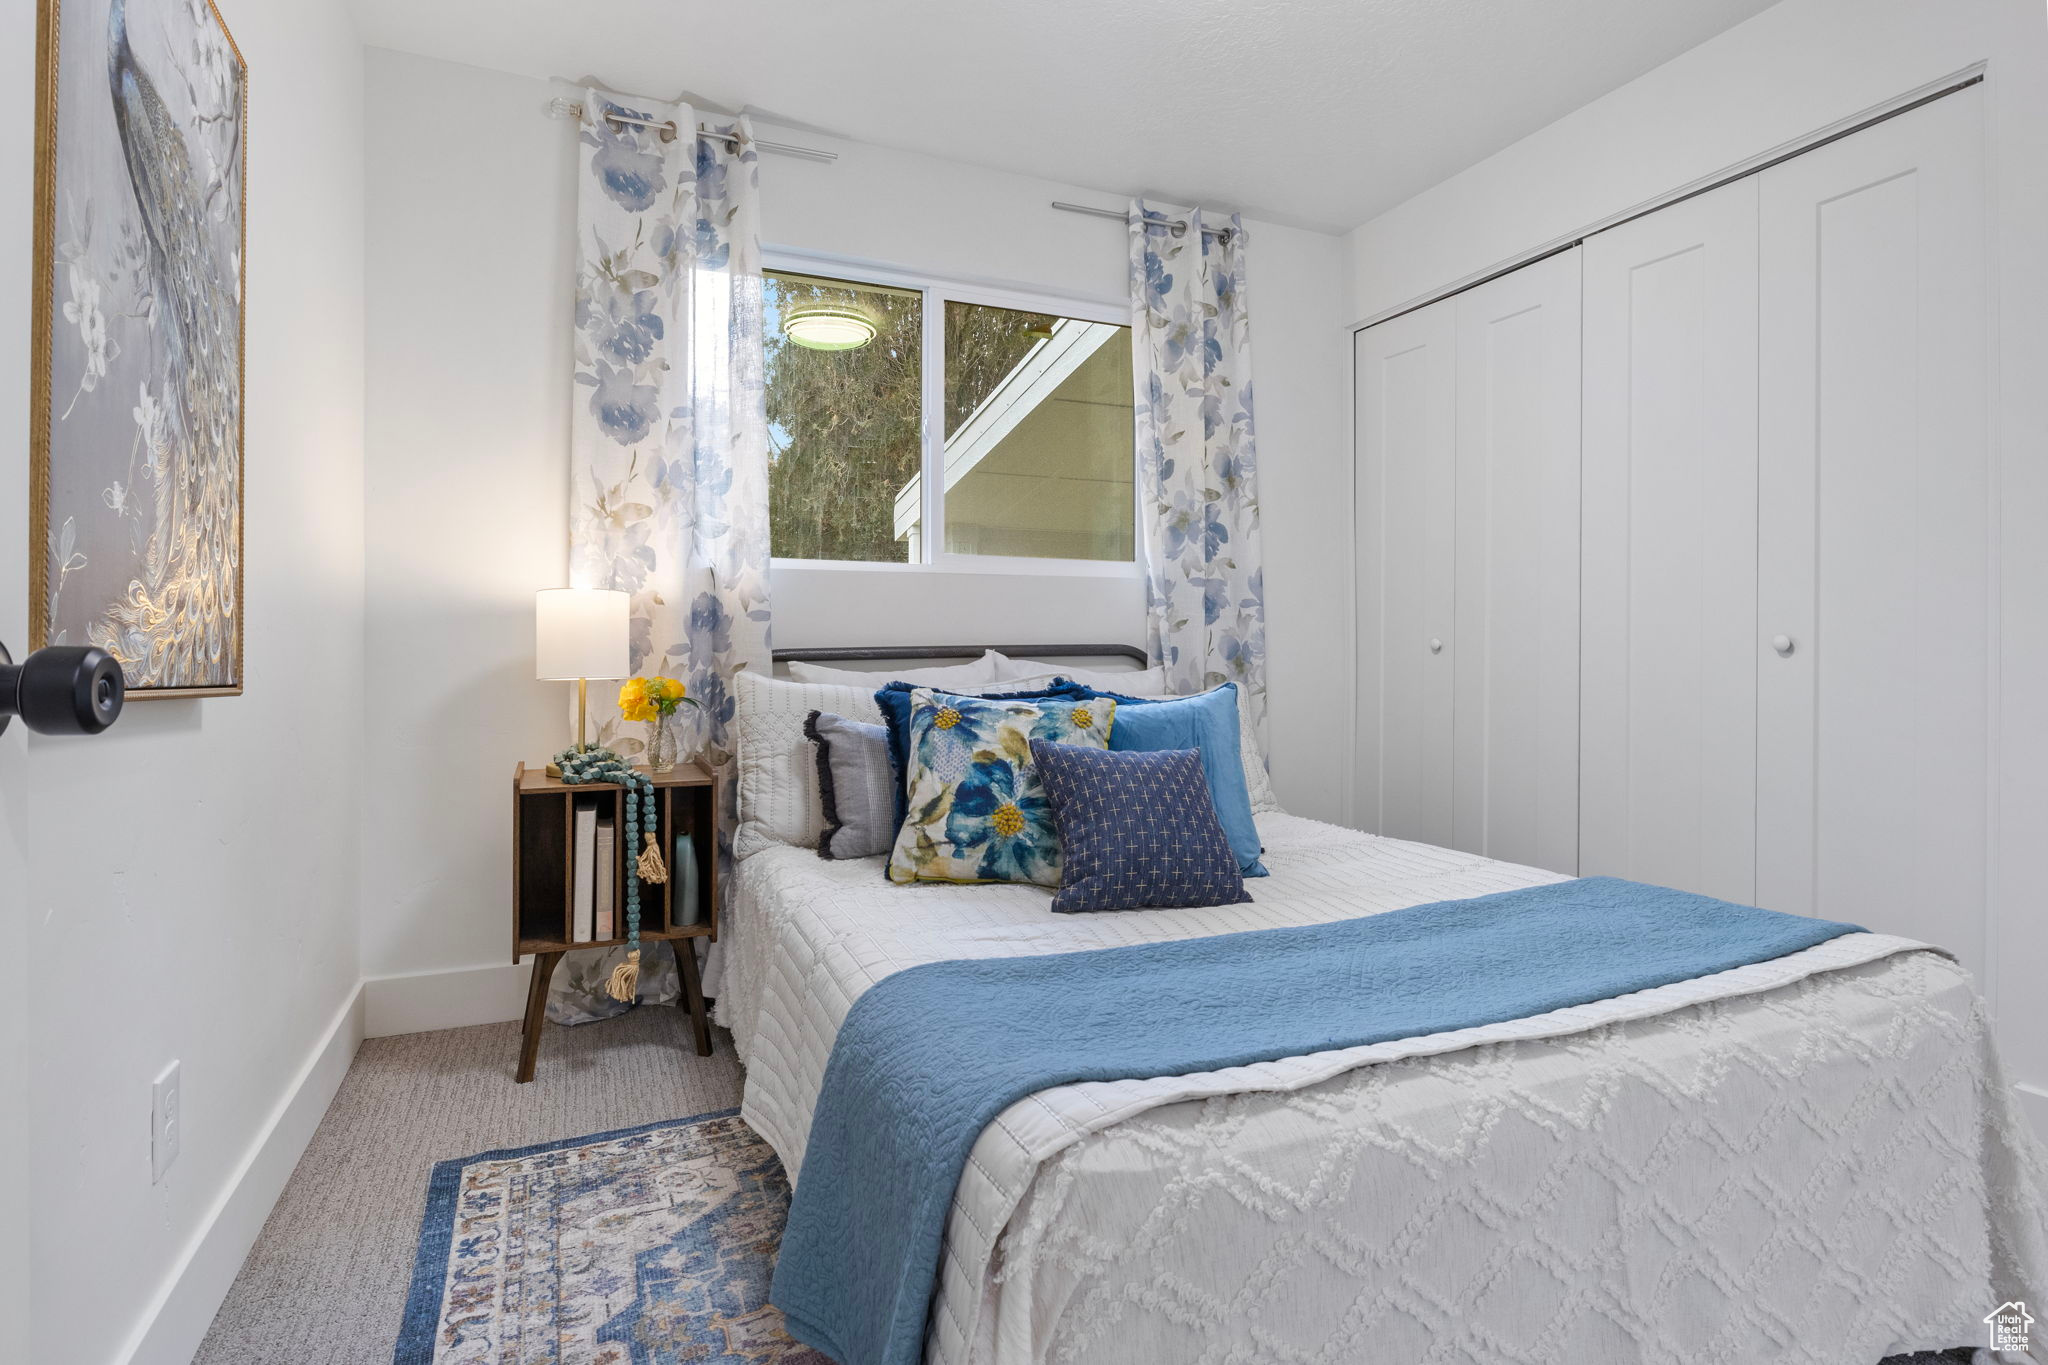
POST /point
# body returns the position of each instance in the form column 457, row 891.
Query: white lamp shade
column 580, row 633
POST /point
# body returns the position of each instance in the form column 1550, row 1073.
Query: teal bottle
column 684, row 870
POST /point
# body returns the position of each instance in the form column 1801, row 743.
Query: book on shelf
column 582, row 869
column 607, row 860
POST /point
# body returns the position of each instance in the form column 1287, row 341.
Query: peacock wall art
column 137, row 465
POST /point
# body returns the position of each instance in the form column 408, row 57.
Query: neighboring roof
column 1047, row 365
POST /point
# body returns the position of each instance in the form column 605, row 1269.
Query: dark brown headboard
column 857, row 653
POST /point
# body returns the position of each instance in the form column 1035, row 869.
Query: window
column 845, row 383
column 896, row 408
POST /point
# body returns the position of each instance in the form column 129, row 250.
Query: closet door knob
column 1436, row 646
column 1783, row 644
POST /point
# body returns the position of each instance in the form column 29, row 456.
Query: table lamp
column 580, row 633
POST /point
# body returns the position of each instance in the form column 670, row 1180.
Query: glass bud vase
column 664, row 743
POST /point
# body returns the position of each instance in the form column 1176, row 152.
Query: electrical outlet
column 166, row 1122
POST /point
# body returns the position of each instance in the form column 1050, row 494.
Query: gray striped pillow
column 856, row 786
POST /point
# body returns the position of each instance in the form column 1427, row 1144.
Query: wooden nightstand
column 543, row 821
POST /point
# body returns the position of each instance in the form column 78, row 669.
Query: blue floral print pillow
column 894, row 702
column 976, row 810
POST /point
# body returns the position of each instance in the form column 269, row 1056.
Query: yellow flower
column 1083, row 717
column 634, row 701
column 947, row 718
column 651, row 698
column 1008, row 820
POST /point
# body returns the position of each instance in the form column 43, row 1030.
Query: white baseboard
column 177, row 1317
column 418, row 1001
column 2034, row 1104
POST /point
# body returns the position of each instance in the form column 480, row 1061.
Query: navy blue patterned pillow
column 1137, row 829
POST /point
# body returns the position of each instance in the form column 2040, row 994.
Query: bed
column 1814, row 1158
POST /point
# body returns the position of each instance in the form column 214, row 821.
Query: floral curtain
column 1197, row 460
column 669, row 433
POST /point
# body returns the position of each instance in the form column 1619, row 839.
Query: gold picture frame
column 158, row 107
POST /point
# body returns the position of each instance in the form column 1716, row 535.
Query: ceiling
column 1320, row 113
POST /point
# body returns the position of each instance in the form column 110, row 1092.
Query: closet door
column 1406, row 369
column 1668, row 664
column 1515, row 711
column 1875, row 605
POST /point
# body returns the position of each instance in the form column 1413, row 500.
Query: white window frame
column 937, row 292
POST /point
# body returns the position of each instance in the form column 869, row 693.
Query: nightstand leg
column 693, row 991
column 536, row 1011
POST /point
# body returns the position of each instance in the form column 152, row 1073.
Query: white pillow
column 778, row 768
column 1037, row 682
column 977, row 674
column 1257, row 781
column 1134, row 682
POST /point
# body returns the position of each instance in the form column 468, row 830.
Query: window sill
column 974, row 564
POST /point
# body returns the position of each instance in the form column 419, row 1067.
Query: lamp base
column 582, row 724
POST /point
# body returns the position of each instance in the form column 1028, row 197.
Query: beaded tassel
column 602, row 765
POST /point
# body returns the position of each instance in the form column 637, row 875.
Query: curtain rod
column 1124, row 217
column 570, row 109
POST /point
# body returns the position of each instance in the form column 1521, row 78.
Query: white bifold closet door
column 1515, row 708
column 1407, row 528
column 1668, row 705
column 1468, row 525
column 1875, row 601
column 1780, row 572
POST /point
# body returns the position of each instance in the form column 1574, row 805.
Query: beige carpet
column 327, row 1279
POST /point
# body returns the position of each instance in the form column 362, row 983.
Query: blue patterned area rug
column 648, row 1246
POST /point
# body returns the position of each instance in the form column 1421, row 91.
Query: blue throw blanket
column 928, row 1056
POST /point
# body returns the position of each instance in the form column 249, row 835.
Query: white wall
column 14, row 1115
column 1302, row 372
column 469, row 329
column 17, row 166
column 193, row 875
column 1794, row 69
column 466, row 494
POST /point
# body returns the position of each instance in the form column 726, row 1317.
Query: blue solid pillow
column 894, row 701
column 1207, row 722
column 1137, row 829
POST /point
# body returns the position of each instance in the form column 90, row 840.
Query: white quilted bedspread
column 1813, row 1159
